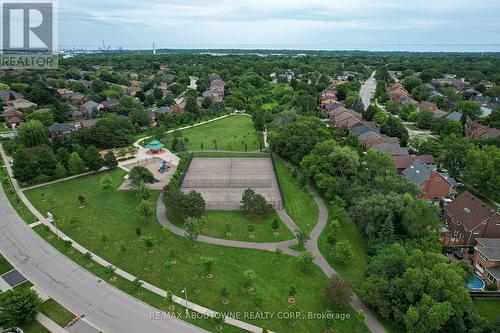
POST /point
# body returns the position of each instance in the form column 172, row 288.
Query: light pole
column 51, row 219
column 186, row 298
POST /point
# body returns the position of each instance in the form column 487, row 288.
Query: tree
column 140, row 118
column 425, row 119
column 183, row 204
column 142, row 191
column 146, row 209
column 412, row 82
column 208, row 263
column 249, row 278
column 338, row 291
column 24, row 166
column 420, row 93
column 449, row 127
column 305, row 261
column 32, row 133
column 106, row 182
column 275, row 224
column 93, row 159
column 46, row 162
column 343, row 252
column 296, row 139
column 454, row 153
column 60, row 171
column 148, row 241
column 75, row 164
column 192, row 105
column 427, row 316
column 19, row 306
column 255, row 204
column 191, row 226
column 110, row 161
column 302, row 236
column 141, row 174
column 469, row 109
column 481, row 170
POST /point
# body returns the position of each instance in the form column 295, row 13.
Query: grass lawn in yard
column 231, row 133
column 488, row 308
column 56, row 312
column 18, row 205
column 33, row 327
column 354, row 270
column 113, row 214
column 234, row 225
column 299, row 202
column 4, row 128
column 5, row 266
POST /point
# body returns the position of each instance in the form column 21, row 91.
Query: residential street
column 367, row 90
column 75, row 288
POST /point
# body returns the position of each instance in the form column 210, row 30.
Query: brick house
column 468, row 218
column 487, row 260
column 431, row 183
column 404, row 161
column 475, row 130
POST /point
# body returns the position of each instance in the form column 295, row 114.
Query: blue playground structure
column 164, row 167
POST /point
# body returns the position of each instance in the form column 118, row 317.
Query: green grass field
column 113, row 214
column 230, row 154
column 239, row 221
column 299, row 203
column 355, row 269
column 33, row 327
column 5, row 266
column 231, row 133
column 56, row 312
column 489, row 309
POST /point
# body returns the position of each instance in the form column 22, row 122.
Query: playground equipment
column 164, row 167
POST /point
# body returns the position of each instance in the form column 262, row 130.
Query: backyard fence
column 227, row 183
column 235, row 205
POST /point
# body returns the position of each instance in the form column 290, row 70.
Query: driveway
column 367, row 90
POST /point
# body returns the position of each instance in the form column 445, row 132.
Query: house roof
column 89, row 106
column 368, row 137
column 62, row 127
column 471, row 211
column 439, row 113
column 163, row 109
column 22, row 104
column 404, row 161
column 362, row 127
column 455, row 116
column 495, row 271
column 490, row 247
column 88, row 122
column 391, row 148
column 425, row 106
column 418, row 172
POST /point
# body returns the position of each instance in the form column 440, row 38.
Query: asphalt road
column 367, row 90
column 79, row 291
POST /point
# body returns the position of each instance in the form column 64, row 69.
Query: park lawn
column 355, row 269
column 230, row 133
column 299, row 202
column 488, row 308
column 113, row 214
column 56, row 312
column 33, row 327
column 5, row 266
column 126, row 286
column 239, row 221
column 14, row 199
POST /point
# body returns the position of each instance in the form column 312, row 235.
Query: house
column 391, row 149
column 363, row 127
column 77, row 115
column 75, row 98
column 180, row 106
column 487, row 260
column 432, row 184
column 163, row 110
column 110, row 105
column 426, row 106
column 63, row 91
column 12, row 118
column 213, row 95
column 90, row 108
column 487, row 84
column 370, row 139
column 404, row 161
column 21, row 104
column 475, row 130
column 8, row 95
column 61, row 130
column 455, row 116
column 468, row 218
column 438, row 114
column 87, row 123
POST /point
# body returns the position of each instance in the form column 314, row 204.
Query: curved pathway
column 284, row 245
column 312, row 246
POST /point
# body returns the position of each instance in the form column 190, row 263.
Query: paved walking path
column 49, row 324
column 312, row 246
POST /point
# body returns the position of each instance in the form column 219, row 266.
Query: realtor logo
column 35, row 31
column 28, row 34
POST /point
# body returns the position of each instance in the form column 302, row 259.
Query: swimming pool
column 476, row 283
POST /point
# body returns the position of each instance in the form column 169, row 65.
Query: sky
column 374, row 25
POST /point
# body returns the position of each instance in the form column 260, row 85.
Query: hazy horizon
column 423, row 26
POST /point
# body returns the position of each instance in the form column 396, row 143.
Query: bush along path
column 312, row 246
